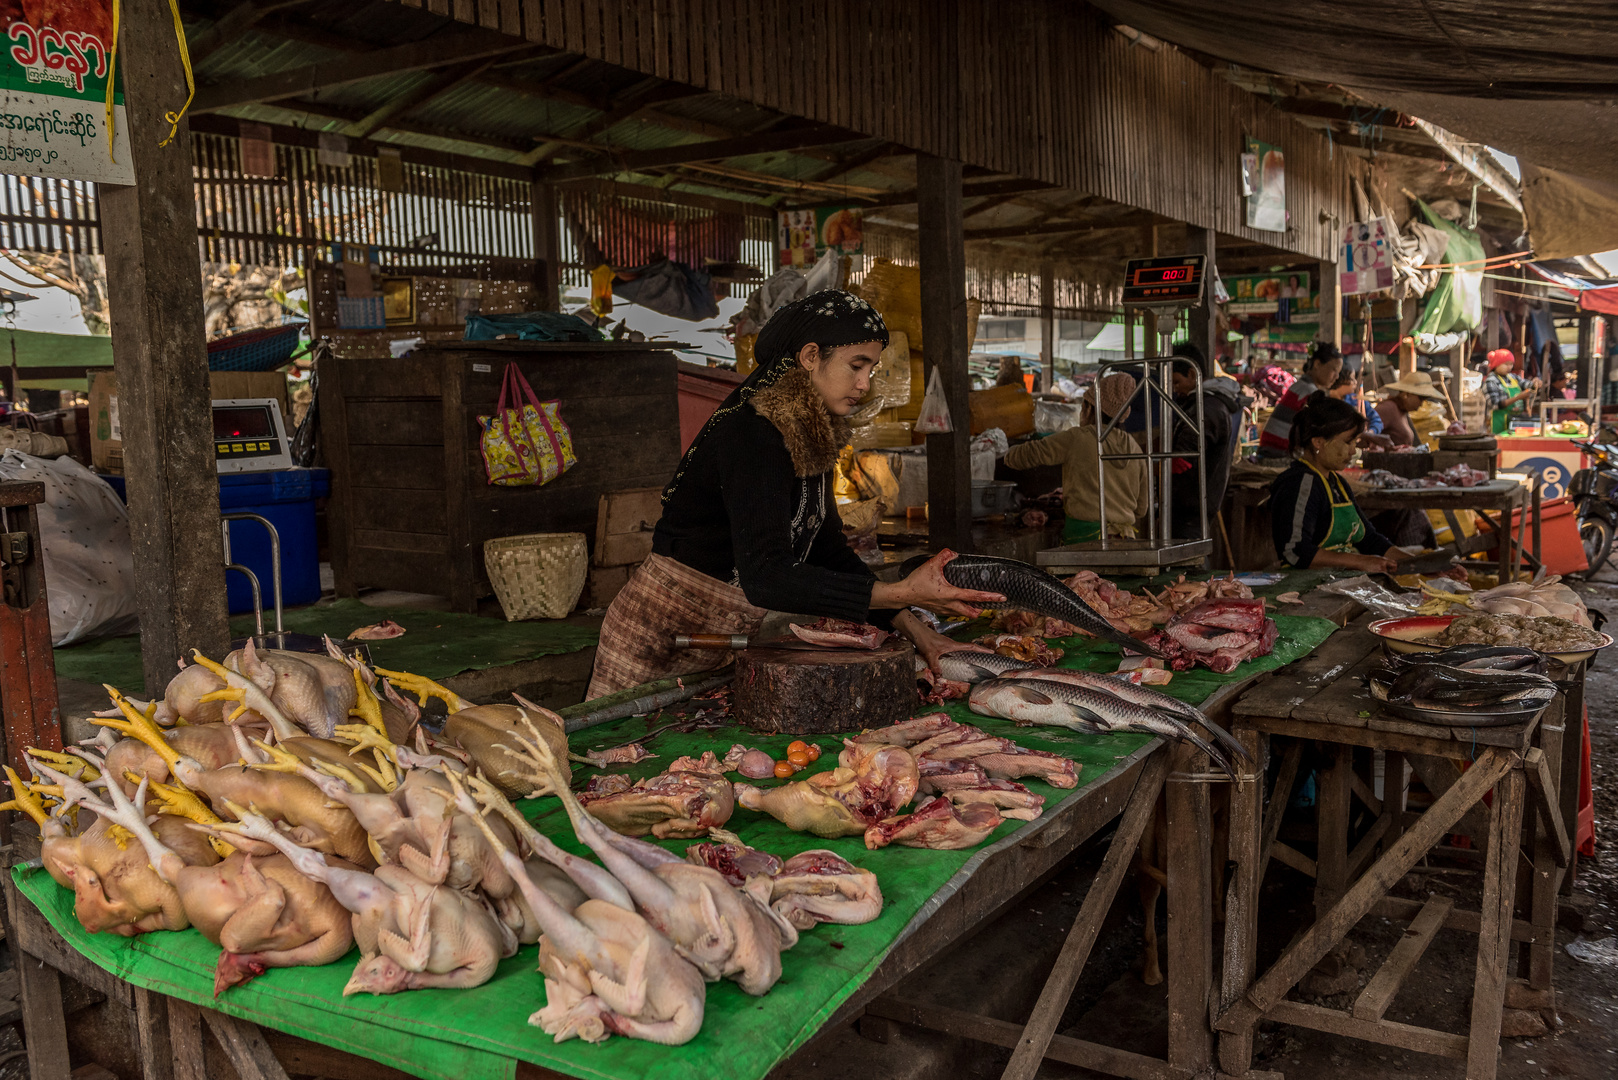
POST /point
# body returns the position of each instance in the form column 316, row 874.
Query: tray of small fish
column 1466, row 686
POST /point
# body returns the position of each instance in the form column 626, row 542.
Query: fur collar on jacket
column 814, row 437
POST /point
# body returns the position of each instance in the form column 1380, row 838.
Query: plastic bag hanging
column 934, row 418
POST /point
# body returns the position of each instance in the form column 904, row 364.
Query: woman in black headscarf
column 749, row 521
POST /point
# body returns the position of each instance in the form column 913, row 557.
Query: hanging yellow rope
column 190, row 83
column 112, row 72
column 185, row 61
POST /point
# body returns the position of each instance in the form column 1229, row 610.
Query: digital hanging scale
column 248, row 435
column 1168, row 281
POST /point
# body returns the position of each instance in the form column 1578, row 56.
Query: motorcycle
column 1594, row 491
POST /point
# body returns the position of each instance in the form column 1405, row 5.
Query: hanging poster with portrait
column 805, row 235
column 1289, row 295
column 1264, row 186
column 53, row 94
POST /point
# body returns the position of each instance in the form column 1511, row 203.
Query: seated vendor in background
column 1506, row 394
column 1402, row 398
column 1313, row 517
column 1075, row 450
column 749, row 523
column 1320, row 372
column 1347, row 389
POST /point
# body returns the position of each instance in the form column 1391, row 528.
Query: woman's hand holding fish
column 927, row 588
column 929, row 642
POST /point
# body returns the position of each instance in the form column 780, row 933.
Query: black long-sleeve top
column 1300, row 516
column 741, row 514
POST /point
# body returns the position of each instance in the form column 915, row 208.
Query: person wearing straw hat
column 1075, row 450
column 1400, row 399
column 749, row 521
column 1507, row 396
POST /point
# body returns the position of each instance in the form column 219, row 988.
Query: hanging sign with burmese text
column 53, row 89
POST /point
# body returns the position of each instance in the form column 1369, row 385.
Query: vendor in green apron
column 1075, row 450
column 1506, row 394
column 1313, row 517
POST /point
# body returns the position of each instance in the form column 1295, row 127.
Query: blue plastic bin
column 287, row 498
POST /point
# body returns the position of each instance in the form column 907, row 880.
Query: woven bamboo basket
column 538, row 576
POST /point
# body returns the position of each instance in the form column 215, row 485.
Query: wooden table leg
column 185, row 1040
column 1494, row 937
column 1241, row 902
column 1285, row 778
column 1190, row 904
column 44, row 1023
column 1333, row 787
column 1547, row 875
column 1395, row 791
column 152, row 1035
column 1572, row 758
column 1058, row 989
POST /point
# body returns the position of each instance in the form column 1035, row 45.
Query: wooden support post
column 1494, row 938
column 1204, row 326
column 1241, row 900
column 1053, row 997
column 1395, row 792
column 547, row 247
column 185, row 1040
column 1441, row 774
column 244, row 1045
column 1047, row 327
column 1331, row 827
column 1331, row 304
column 44, row 1023
column 944, row 344
column 1572, row 753
column 152, row 1038
column 154, row 282
column 1279, row 799
column 1553, row 851
column 1190, row 904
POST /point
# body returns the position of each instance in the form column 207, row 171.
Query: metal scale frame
column 1167, row 287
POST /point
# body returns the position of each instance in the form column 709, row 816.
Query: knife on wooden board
column 742, row 641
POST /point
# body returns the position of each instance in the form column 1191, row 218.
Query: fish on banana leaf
column 970, row 666
column 1143, row 696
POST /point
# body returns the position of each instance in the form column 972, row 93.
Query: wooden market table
column 1500, row 497
column 1324, row 700
column 168, row 1029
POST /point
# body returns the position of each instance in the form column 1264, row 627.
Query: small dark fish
column 969, row 666
column 1477, row 658
column 1080, row 708
column 1032, row 589
column 1453, row 686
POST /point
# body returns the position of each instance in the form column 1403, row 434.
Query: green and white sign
column 53, row 93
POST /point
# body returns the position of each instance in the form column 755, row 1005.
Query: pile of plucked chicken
column 290, row 806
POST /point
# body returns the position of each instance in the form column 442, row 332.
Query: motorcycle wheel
column 1596, row 535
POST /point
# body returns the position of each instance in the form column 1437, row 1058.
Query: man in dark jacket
column 1221, row 408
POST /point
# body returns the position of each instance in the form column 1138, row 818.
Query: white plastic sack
column 1053, row 416
column 934, row 418
column 89, row 564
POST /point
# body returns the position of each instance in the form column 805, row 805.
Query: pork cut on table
column 1218, row 634
column 840, row 634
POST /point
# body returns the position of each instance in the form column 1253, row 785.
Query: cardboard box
column 106, row 432
column 624, row 522
column 607, row 582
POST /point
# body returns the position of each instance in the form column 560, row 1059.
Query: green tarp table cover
column 479, row 1034
column 436, row 644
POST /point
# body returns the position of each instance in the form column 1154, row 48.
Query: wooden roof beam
column 346, row 70
column 642, row 95
column 712, row 150
column 437, row 86
column 1132, row 220
column 1015, row 185
column 231, row 25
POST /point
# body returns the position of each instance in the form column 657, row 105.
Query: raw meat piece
column 1010, row 798
column 937, row 824
column 1029, row 647
column 381, row 631
column 840, row 634
column 938, row 777
column 735, row 861
column 821, row 886
column 910, row 732
column 1230, row 614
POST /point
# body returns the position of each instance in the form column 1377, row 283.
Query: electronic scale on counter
column 249, row 436
column 1165, row 286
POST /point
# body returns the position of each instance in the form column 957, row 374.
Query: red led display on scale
column 1164, row 281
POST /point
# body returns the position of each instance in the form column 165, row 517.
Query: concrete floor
column 999, row 972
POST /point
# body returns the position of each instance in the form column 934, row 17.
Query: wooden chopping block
column 802, row 692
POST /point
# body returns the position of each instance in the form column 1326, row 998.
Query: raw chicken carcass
column 412, row 934
column 261, row 911
column 938, row 777
column 910, row 732
column 840, row 634
column 936, row 824
column 686, row 803
column 871, row 782
column 607, row 971
column 821, row 886
column 1007, row 796
column 735, row 861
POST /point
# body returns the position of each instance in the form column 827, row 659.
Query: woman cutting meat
column 749, row 523
column 1313, row 517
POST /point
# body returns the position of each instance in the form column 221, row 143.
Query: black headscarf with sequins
column 829, row 318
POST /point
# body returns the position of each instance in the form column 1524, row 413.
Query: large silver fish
column 1032, row 589
column 1081, row 708
column 1143, row 696
column 970, row 666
